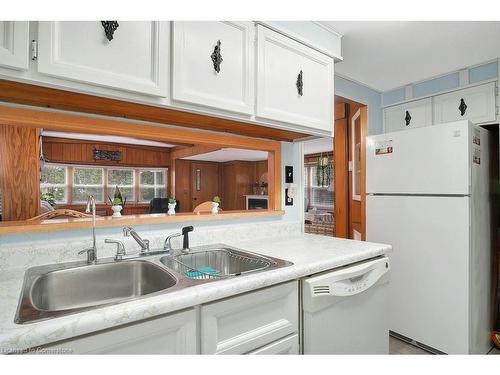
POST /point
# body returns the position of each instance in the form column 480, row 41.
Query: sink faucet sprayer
column 167, row 246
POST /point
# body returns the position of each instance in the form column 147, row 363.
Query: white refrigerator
column 428, row 196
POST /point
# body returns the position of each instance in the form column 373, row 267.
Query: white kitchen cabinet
column 288, row 345
column 135, row 60
column 409, row 115
column 476, row 104
column 14, row 44
column 250, row 321
column 170, row 334
column 198, row 78
column 294, row 82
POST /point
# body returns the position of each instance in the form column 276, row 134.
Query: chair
column 60, row 213
column 158, row 205
column 205, row 207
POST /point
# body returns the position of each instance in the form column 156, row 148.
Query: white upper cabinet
column 135, row 59
column 476, row 104
column 294, row 82
column 408, row 115
column 14, row 44
column 213, row 64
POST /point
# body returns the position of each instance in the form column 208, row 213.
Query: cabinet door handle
column 217, row 57
column 109, row 28
column 407, row 118
column 300, row 84
column 462, row 107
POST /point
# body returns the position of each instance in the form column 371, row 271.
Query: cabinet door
column 294, row 82
column 134, row 60
column 250, row 321
column 170, row 334
column 197, row 77
column 408, row 115
column 476, row 104
column 288, row 345
column 14, row 44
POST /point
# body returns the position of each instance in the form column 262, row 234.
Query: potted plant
column 171, row 205
column 116, row 207
column 263, row 188
column 50, row 198
column 118, row 196
column 215, row 204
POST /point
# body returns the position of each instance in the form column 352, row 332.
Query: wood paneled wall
column 75, row 151
column 19, row 172
column 235, row 180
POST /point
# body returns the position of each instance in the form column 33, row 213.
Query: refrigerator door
column 429, row 286
column 427, row 160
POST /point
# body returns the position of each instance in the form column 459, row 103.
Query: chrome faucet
column 143, row 243
column 91, row 251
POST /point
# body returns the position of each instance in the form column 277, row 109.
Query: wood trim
column 22, row 93
column 341, row 179
column 191, row 151
column 17, row 227
column 362, row 177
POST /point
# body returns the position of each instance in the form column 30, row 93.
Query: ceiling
column 230, row 154
column 389, row 54
column 105, row 138
column 318, row 145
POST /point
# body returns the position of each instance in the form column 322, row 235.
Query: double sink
column 60, row 289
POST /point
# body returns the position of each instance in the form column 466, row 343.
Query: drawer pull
column 109, row 28
column 217, row 57
column 300, row 84
column 462, row 107
column 407, row 118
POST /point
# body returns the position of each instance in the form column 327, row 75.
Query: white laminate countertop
column 309, row 253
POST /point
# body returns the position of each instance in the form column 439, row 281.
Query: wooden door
column 204, row 182
column 357, row 170
column 341, row 171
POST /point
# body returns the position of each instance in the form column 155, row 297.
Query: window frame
column 155, row 186
column 65, row 185
column 133, row 186
column 73, row 185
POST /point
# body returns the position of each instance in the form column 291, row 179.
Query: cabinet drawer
column 14, row 44
column 280, row 61
column 136, row 59
column 170, row 334
column 288, row 345
column 244, row 323
column 408, row 115
column 479, row 104
column 195, row 79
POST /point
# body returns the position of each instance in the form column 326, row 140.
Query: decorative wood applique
column 407, row 118
column 217, row 57
column 110, row 28
column 300, row 84
column 107, row 155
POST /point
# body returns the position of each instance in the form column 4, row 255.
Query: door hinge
column 350, row 166
column 496, row 112
column 34, row 50
column 496, row 89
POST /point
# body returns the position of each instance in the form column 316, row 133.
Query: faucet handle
column 91, row 258
column 120, row 248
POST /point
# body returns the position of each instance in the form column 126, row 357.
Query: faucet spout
column 91, row 252
column 143, row 243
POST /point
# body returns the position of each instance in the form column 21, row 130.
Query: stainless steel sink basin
column 50, row 292
column 220, row 262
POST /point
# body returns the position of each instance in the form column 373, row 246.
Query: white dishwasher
column 345, row 310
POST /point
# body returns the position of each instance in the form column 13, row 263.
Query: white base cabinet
column 136, row 59
column 14, row 44
column 170, row 334
column 245, row 323
column 476, row 104
column 408, row 115
column 294, row 82
column 288, row 345
column 199, row 77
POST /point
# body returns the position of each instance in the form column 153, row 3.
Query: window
column 54, row 179
column 124, row 179
column 317, row 196
column 152, row 185
column 88, row 181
